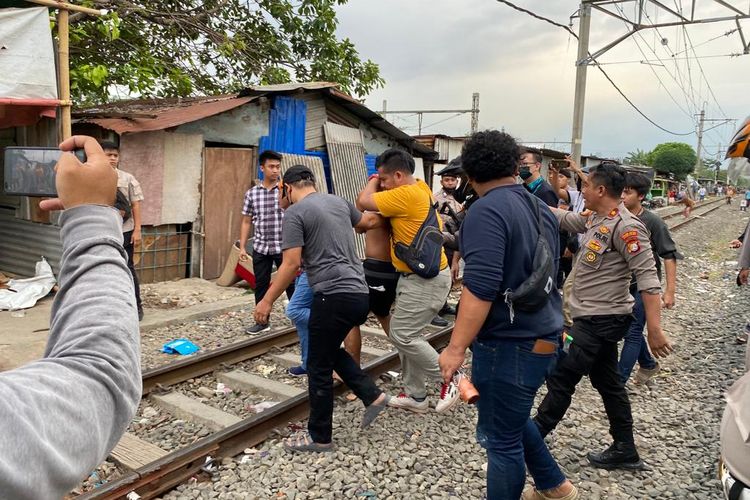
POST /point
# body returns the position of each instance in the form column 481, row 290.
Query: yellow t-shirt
column 406, row 208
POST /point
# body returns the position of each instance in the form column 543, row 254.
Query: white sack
column 26, row 292
column 27, row 59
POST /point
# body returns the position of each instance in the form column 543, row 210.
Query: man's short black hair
column 611, row 176
column 567, row 173
column 109, row 145
column 395, row 160
column 269, row 155
column 490, row 155
column 537, row 156
column 638, row 182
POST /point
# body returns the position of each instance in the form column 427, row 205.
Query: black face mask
column 449, row 190
column 524, row 173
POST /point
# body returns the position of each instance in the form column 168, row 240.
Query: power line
column 688, row 113
column 566, row 28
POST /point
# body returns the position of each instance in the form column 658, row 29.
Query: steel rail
column 693, row 217
column 698, row 205
column 178, row 466
column 201, row 364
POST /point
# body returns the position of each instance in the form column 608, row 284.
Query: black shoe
column 438, row 321
column 257, row 329
column 618, row 456
column 447, row 310
column 140, row 314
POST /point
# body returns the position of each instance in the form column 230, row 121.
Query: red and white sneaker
column 406, row 402
column 448, row 397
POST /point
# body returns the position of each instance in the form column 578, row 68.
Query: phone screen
column 31, row 171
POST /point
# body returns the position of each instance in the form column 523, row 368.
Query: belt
column 409, row 274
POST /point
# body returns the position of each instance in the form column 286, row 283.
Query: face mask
column 524, row 173
column 449, row 191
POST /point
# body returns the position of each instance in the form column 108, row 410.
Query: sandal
column 303, row 442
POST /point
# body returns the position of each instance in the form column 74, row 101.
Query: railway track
column 700, row 210
column 173, row 468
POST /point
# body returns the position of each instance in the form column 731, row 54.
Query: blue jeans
column 298, row 311
column 635, row 347
column 507, row 375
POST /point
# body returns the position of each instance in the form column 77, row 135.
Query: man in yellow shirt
column 405, row 201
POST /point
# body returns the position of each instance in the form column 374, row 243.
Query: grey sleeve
column 354, row 214
column 570, row 221
column 292, row 230
column 63, row 413
column 745, row 250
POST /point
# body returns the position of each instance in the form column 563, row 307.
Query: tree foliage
column 637, row 157
column 676, row 158
column 170, row 48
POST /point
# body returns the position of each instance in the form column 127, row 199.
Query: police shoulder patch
column 603, row 229
column 633, row 247
column 590, row 256
column 629, row 235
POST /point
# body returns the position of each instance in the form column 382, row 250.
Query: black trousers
column 262, row 265
column 331, row 318
column 128, row 246
column 593, row 353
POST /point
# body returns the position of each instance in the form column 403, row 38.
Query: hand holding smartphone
column 31, row 171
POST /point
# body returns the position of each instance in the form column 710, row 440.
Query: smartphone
column 31, row 171
column 558, row 164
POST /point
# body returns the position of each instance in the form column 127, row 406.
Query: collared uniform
column 614, row 247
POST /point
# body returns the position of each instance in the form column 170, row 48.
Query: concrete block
column 188, row 408
column 248, row 381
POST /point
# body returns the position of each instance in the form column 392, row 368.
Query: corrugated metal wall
column 315, row 164
column 23, row 243
column 346, row 153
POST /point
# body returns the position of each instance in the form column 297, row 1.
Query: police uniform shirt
column 614, row 246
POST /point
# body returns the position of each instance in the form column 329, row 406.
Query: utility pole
column 701, row 120
column 474, row 112
column 581, row 70
column 674, row 18
column 420, row 112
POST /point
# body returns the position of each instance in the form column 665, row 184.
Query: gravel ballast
column 405, row 456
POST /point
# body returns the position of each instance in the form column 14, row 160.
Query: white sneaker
column 409, row 403
column 448, row 397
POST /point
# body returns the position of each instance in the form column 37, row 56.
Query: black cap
column 454, row 168
column 297, row 173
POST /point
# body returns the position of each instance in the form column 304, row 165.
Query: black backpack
column 534, row 292
column 423, row 255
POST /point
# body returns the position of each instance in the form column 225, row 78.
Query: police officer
column 615, row 244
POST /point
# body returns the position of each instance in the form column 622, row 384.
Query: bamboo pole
column 63, row 54
column 66, row 6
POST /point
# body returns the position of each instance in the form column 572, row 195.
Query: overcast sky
column 434, row 53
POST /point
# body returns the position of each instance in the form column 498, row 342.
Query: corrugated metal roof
column 346, row 152
column 157, row 114
column 375, row 120
column 23, row 243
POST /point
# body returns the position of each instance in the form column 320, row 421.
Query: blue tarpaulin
column 286, row 134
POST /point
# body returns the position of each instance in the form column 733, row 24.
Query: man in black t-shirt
column 663, row 246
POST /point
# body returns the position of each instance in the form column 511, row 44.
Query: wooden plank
column 133, row 452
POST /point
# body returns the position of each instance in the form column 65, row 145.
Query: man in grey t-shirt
column 317, row 228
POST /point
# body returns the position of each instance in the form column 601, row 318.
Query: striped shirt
column 262, row 205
